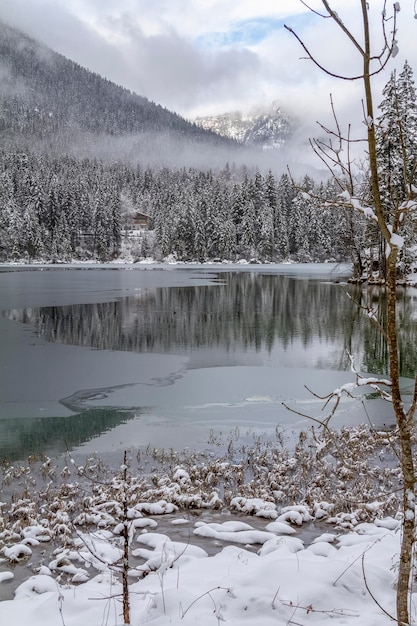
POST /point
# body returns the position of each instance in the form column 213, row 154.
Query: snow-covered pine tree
column 6, row 204
column 267, row 247
column 397, row 152
column 286, row 192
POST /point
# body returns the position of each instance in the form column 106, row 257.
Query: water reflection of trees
column 374, row 343
column 247, row 310
column 23, row 437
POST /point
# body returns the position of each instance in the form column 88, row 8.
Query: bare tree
column 389, row 220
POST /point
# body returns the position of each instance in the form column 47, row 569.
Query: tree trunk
column 388, row 224
column 125, row 566
column 407, row 541
column 404, row 423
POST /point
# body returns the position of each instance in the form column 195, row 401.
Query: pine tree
column 185, row 231
column 397, row 150
column 53, row 209
column 266, row 244
column 115, row 222
column 200, row 217
column 249, row 238
column 282, row 245
column 102, row 226
column 285, row 192
column 269, row 218
column 16, row 231
column 32, row 233
column 300, row 226
column 397, row 136
column 62, row 239
column 6, row 201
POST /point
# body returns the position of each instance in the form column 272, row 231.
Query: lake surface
column 101, row 359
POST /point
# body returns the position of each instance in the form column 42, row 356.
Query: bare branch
column 341, row 25
column 314, row 11
column 413, row 406
column 314, row 60
column 383, row 57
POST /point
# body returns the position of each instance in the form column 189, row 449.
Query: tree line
column 64, row 208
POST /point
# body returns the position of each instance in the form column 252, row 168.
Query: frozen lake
column 106, row 358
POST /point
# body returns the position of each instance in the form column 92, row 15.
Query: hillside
column 44, row 97
column 269, row 128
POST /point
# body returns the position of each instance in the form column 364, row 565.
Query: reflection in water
column 375, row 347
column 23, row 437
column 247, row 312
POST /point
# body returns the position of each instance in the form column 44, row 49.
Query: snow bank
column 284, row 582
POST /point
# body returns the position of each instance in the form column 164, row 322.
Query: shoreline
column 306, row 486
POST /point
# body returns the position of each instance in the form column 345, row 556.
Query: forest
column 63, row 209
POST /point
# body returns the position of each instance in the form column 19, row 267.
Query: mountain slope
column 267, row 129
column 43, row 93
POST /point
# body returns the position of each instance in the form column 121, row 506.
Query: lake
column 104, row 358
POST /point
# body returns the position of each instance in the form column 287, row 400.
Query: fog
column 166, row 149
column 172, row 151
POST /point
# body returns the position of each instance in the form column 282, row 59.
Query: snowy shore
column 336, row 580
column 230, row 549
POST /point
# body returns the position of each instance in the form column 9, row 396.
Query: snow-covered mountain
column 267, row 128
column 48, row 100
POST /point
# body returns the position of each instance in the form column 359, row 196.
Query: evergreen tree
column 185, row 231
column 285, row 193
column 397, row 136
column 33, row 243
column 102, row 227
column 397, row 152
column 53, row 210
column 282, row 245
column 17, row 240
column 115, row 222
column 300, row 224
column 6, row 203
column 249, row 239
column 266, row 244
column 62, row 240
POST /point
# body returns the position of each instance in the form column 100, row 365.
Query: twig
column 330, row 612
column 206, row 593
column 357, row 559
column 391, row 617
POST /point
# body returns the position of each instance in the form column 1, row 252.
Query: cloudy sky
column 199, row 57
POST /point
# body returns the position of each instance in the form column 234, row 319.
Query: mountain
column 49, row 104
column 268, row 129
column 47, row 99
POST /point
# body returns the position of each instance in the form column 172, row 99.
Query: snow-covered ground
column 207, row 545
column 265, row 578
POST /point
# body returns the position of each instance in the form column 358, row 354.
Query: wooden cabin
column 140, row 221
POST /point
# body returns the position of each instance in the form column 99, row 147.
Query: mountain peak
column 263, row 127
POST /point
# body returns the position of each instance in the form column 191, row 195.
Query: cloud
column 170, row 70
column 51, row 23
column 214, row 55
